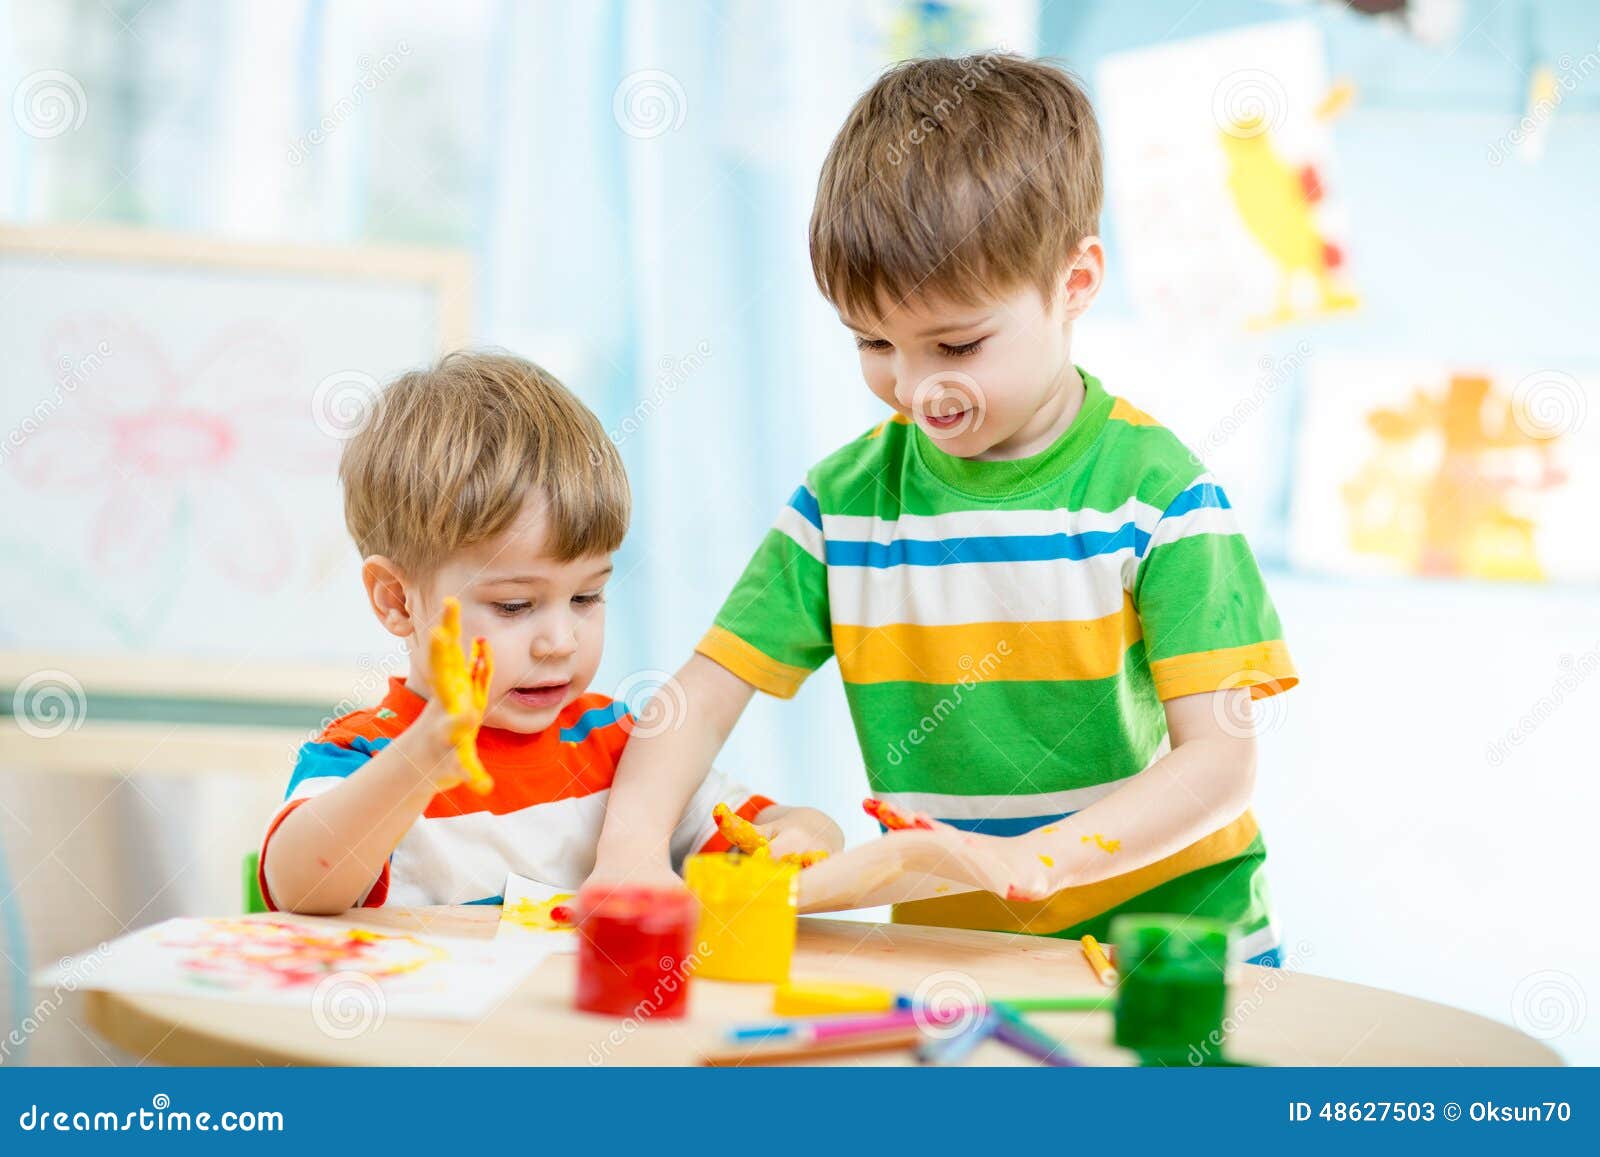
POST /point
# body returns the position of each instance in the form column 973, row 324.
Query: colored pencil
column 1022, row 1036
column 826, row 1028
column 957, row 1047
column 1055, row 1003
column 1097, row 961
column 802, row 1050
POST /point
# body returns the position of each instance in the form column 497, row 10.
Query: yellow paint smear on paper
column 534, row 915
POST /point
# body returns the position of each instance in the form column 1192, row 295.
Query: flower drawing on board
column 173, row 452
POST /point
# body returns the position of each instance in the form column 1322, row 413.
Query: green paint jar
column 1173, row 988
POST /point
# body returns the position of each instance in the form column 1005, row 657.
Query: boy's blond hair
column 451, row 454
column 956, row 178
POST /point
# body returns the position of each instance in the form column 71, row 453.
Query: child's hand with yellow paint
column 807, row 835
column 920, row 858
column 461, row 692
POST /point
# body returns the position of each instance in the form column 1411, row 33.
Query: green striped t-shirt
column 1007, row 631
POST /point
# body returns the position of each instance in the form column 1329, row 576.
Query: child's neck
column 1048, row 423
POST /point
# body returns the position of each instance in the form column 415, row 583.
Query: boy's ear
column 1084, row 276
column 386, row 591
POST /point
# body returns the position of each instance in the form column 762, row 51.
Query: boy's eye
column 589, row 600
column 509, row 609
column 877, row 344
column 962, row 350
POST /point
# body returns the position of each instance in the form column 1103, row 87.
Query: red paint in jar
column 634, row 946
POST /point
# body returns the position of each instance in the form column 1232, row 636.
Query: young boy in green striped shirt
column 1048, row 624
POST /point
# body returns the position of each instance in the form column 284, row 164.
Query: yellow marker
column 1105, row 845
column 823, row 998
column 460, row 686
column 748, row 909
column 1047, row 861
column 1096, row 956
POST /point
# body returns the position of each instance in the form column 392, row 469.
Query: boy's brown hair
column 451, row 453
column 956, row 178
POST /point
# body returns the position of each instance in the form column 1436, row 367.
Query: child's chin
column 523, row 720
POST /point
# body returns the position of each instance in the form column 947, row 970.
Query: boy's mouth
column 540, row 695
column 946, row 421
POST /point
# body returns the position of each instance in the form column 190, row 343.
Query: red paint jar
column 634, row 948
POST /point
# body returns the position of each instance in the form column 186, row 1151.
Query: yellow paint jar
column 748, row 909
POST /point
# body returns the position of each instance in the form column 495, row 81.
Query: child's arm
column 1203, row 783
column 659, row 773
column 326, row 852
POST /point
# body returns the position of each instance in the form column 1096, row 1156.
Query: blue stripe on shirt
column 1003, row 547
column 594, row 719
column 986, row 548
column 806, row 503
column 318, row 760
column 1005, row 825
column 1198, row 495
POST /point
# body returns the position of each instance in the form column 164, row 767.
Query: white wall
column 1400, row 851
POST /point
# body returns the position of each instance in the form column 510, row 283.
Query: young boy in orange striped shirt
column 485, row 480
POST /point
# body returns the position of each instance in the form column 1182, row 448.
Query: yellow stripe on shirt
column 1263, row 667
column 1041, row 651
column 1122, row 411
column 755, row 667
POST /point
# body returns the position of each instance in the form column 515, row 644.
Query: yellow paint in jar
column 748, row 908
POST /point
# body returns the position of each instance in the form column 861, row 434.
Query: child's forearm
column 1186, row 795
column 327, row 852
column 660, row 772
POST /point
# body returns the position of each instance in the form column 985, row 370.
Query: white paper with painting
column 1218, row 158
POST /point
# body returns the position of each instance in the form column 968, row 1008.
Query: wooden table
column 1282, row 1017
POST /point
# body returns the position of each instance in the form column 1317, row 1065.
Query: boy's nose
column 556, row 642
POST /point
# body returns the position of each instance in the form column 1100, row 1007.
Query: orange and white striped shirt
column 542, row 819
